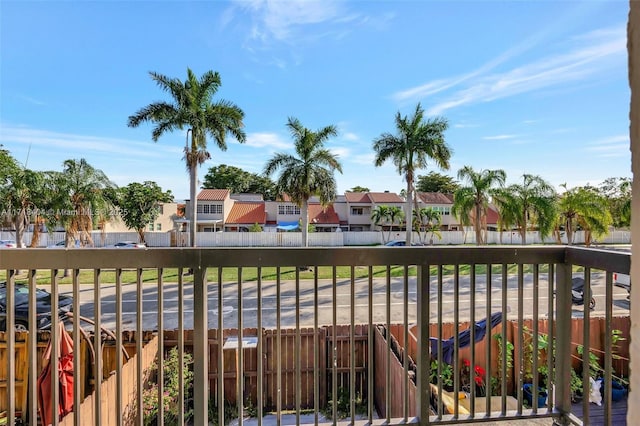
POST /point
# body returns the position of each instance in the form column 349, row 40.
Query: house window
column 158, row 227
column 151, row 227
column 357, row 211
column 161, row 208
column 289, row 209
column 210, row 208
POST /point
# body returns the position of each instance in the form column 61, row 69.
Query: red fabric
column 65, row 379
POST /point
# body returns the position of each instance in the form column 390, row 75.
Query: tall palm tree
column 584, row 208
column 532, row 202
column 193, row 109
column 20, row 195
column 472, row 201
column 308, row 174
column 417, row 140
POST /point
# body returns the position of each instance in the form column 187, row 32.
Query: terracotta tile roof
column 385, row 197
column 492, row 216
column 213, row 194
column 435, row 198
column 320, row 215
column 247, row 213
column 357, row 197
column 180, row 209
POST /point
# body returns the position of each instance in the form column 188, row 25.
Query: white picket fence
column 316, row 239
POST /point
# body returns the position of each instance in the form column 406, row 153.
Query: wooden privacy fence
column 85, row 378
column 288, row 347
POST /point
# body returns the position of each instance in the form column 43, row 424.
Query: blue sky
column 535, row 87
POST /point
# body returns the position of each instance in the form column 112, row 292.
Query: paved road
column 326, row 302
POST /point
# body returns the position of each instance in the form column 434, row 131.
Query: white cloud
column 499, row 137
column 341, row 152
column 613, row 146
column 265, row 139
column 595, row 52
column 350, row 136
column 83, row 143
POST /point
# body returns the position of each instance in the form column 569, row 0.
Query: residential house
column 245, row 214
column 442, row 203
column 360, row 205
column 168, row 220
column 213, row 206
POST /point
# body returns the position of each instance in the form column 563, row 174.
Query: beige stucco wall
column 633, row 43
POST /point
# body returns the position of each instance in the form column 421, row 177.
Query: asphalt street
column 323, row 310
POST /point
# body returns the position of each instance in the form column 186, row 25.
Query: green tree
column 429, row 220
column 193, row 108
column 255, row 228
column 417, row 140
column 583, row 208
column 239, row 181
column 80, row 199
column 530, row 203
column 436, row 182
column 19, row 196
column 138, row 204
column 472, row 201
column 617, row 193
column 380, row 217
column 396, row 215
column 308, row 174
column 359, row 189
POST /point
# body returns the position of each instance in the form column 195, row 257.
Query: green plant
column 230, row 412
column 171, row 374
column 594, row 363
column 496, row 384
column 344, row 404
column 446, row 373
column 575, row 385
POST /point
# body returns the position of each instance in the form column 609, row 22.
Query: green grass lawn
column 270, row 274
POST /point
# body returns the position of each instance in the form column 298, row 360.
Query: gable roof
column 357, row 197
column 385, row 197
column 320, row 215
column 247, row 213
column 435, row 198
column 213, row 194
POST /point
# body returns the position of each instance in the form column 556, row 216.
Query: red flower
column 466, row 363
column 479, row 381
column 480, row 371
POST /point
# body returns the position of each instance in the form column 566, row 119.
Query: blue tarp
column 288, row 226
column 464, row 338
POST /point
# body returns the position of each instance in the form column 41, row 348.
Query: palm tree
column 395, row 214
column 584, row 208
column 379, row 216
column 416, row 142
column 308, row 174
column 531, row 202
column 80, row 200
column 193, row 109
column 473, row 201
column 20, row 194
column 428, row 219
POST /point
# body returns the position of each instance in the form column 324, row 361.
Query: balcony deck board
column 596, row 413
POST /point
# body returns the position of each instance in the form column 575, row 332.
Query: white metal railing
column 281, row 292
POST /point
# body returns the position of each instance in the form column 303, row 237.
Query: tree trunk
column 409, row 213
column 569, row 233
column 193, row 177
column 19, row 223
column 141, row 235
column 305, row 223
column 35, row 236
column 478, row 225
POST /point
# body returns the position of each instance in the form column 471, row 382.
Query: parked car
column 21, row 306
column 400, row 243
column 63, row 244
column 623, row 281
column 8, row 244
column 127, row 244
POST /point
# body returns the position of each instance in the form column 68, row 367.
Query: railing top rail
column 614, row 261
column 90, row 258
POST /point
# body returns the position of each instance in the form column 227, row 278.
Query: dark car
column 400, row 243
column 21, row 300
